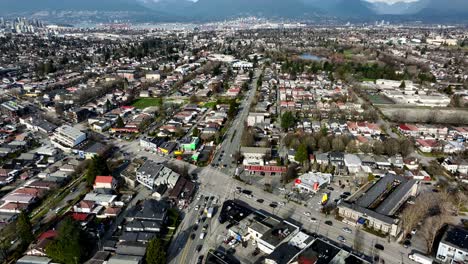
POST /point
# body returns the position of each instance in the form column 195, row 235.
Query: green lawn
column 348, row 54
column 143, row 103
column 209, row 105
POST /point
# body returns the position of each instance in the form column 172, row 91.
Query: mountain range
column 199, row 10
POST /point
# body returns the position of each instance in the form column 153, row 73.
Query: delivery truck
column 416, row 257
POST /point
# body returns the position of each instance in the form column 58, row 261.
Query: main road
column 232, row 139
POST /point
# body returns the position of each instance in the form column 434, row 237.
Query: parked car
column 307, row 213
column 328, row 222
column 407, row 244
column 379, row 246
column 347, row 230
column 313, row 220
column 260, row 200
column 414, row 231
column 199, row 247
column 256, row 252
column 192, row 236
column 274, row 205
column 342, row 239
column 200, row 259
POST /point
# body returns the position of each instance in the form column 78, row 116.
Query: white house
column 352, row 163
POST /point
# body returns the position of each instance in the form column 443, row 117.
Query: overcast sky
column 391, row 1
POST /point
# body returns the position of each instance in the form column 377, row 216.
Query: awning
column 361, row 221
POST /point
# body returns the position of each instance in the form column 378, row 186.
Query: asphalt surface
column 218, row 181
column 232, row 139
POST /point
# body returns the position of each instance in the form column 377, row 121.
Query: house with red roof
column 427, row 145
column 408, row 129
column 84, row 207
column 13, row 207
column 105, row 182
column 38, row 249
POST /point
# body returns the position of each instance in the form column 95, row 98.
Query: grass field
column 209, row 104
column 147, row 102
column 348, row 54
column 379, row 99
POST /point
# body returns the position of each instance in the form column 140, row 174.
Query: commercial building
column 67, row 137
column 13, row 109
column 152, row 175
column 254, row 155
column 281, row 232
column 453, row 248
column 190, row 144
column 376, row 204
column 312, row 182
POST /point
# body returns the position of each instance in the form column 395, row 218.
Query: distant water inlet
column 311, row 57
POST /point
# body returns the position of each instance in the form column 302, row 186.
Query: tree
column 358, row 240
column 366, row 148
column 290, row 174
column 370, row 177
column 352, row 147
column 403, row 84
column 337, row 144
column 97, row 166
column 406, row 147
column 431, row 228
column 155, row 252
column 287, row 120
column 378, row 148
column 232, row 109
column 24, row 228
column 120, row 123
column 324, row 145
column 392, row 146
column 248, row 138
column 302, row 154
column 67, row 247
column 195, row 132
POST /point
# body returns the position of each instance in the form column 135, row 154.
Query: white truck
column 209, row 213
column 416, row 257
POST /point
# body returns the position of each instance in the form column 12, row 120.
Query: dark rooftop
column 457, row 237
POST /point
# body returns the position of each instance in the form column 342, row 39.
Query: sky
column 391, row 1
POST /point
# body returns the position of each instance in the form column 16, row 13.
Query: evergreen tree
column 67, row 247
column 120, row 123
column 24, row 228
column 403, row 84
column 98, row 166
column 287, row 120
column 302, row 154
column 155, row 253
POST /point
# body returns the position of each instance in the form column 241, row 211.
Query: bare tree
column 358, row 240
column 431, row 228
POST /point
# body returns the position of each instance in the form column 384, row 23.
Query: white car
column 307, row 213
column 199, row 197
column 197, row 207
column 414, row 231
column 347, row 230
column 313, row 220
column 232, row 243
column 282, row 189
column 281, row 203
column 342, row 239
